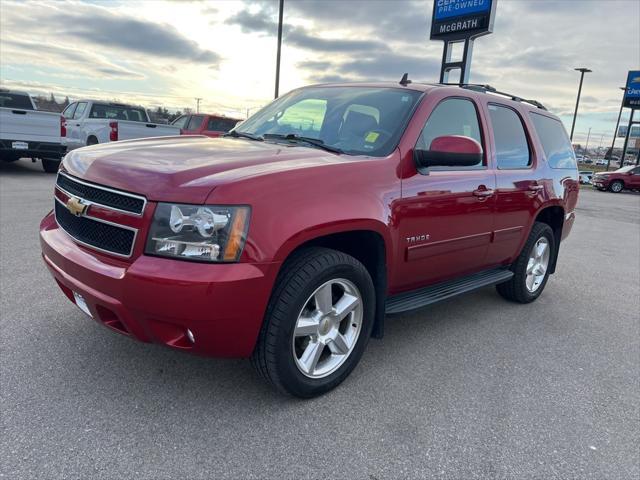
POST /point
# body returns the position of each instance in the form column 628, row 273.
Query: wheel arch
column 366, row 244
column 553, row 215
column 92, row 136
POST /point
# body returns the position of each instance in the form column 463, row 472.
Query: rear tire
column 616, row 186
column 530, row 270
column 50, row 166
column 305, row 348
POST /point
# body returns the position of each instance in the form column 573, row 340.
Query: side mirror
column 449, row 151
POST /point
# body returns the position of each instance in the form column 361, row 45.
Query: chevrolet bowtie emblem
column 76, row 207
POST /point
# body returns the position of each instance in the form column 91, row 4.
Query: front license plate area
column 81, row 303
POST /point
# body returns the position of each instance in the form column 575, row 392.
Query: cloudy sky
column 169, row 52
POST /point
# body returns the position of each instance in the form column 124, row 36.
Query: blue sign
column 459, row 8
column 632, row 92
column 460, row 19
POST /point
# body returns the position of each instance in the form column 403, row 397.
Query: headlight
column 198, row 232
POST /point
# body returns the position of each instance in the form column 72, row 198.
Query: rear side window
column 181, row 122
column 15, row 100
column 555, row 141
column 68, row 112
column 512, row 148
column 220, row 124
column 453, row 116
column 195, row 122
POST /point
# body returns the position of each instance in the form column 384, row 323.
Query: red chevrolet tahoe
column 291, row 239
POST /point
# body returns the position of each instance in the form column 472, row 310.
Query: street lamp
column 615, row 132
column 575, row 114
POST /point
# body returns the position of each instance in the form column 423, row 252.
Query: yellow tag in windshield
column 371, row 137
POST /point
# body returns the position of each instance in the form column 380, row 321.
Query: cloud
column 126, row 33
column 262, row 22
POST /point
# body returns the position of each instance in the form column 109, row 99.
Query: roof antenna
column 405, row 80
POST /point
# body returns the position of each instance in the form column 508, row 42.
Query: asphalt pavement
column 471, row 388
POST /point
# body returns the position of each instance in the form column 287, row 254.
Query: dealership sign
column 632, row 92
column 459, row 19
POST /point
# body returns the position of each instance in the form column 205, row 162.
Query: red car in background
column 202, row 124
column 624, row 178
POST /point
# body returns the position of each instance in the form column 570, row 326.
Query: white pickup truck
column 28, row 133
column 90, row 122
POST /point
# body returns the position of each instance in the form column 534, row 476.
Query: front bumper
column 156, row 300
column 600, row 182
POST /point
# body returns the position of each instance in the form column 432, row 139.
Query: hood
column 187, row 168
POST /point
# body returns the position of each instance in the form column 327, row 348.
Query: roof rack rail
column 478, row 87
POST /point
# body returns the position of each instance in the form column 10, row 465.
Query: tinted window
column 454, row 116
column 195, row 122
column 512, row 148
column 82, row 106
column 221, row 124
column 181, row 122
column 555, row 141
column 15, row 100
column 357, row 120
column 118, row 112
column 68, row 112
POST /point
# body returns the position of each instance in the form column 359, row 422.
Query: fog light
column 190, row 336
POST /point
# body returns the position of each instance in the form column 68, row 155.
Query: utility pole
column 198, row 105
column 615, row 132
column 279, row 48
column 575, row 114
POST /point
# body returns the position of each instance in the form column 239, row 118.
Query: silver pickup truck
column 26, row 132
column 91, row 122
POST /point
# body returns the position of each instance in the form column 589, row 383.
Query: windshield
column 624, row 169
column 118, row 112
column 355, row 120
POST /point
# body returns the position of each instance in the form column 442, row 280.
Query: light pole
column 279, row 48
column 575, row 114
column 586, row 147
column 615, row 132
column 198, row 104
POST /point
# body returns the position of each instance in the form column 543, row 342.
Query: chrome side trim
column 106, row 189
column 110, row 252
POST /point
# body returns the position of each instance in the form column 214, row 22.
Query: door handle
column 535, row 188
column 482, row 193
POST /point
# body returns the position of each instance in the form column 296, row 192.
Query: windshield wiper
column 292, row 137
column 237, row 134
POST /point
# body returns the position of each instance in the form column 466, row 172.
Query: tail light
column 63, row 126
column 113, row 134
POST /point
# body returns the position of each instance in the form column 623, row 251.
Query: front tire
column 616, row 186
column 317, row 324
column 531, row 268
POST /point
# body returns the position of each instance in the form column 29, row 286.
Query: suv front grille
column 96, row 233
column 107, row 197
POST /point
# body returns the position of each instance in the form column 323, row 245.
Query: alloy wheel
column 538, row 264
column 327, row 328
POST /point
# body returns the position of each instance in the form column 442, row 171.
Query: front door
column 445, row 216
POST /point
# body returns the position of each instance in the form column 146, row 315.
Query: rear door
column 634, row 178
column 445, row 216
column 519, row 189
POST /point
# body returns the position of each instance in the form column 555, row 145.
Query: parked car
column 26, row 132
column 601, row 161
column 90, row 122
column 586, row 176
column 290, row 239
column 624, row 178
column 202, row 124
